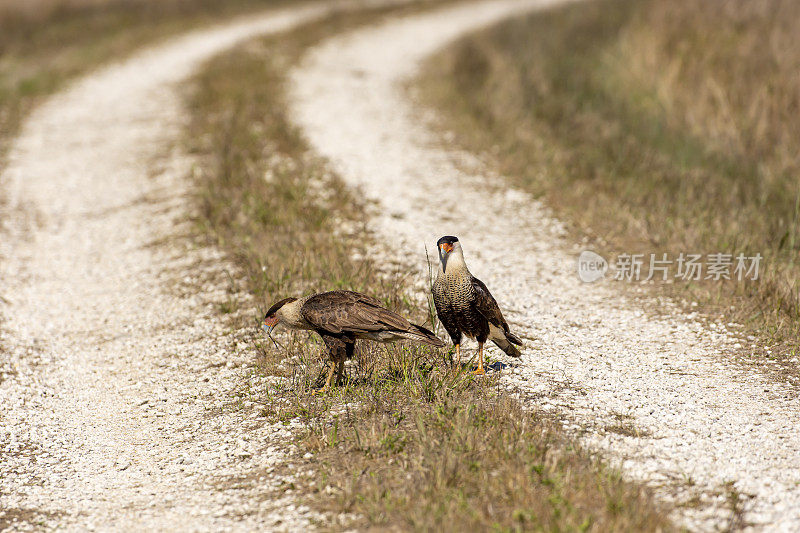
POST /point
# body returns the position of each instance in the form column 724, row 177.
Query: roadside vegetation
column 650, row 127
column 44, row 43
column 408, row 442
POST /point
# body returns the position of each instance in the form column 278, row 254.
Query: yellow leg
column 458, row 353
column 480, row 371
column 327, row 381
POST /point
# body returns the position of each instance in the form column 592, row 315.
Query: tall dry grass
column 729, row 71
column 652, row 127
column 41, row 9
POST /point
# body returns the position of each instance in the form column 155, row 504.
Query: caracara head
column 276, row 316
column 448, row 246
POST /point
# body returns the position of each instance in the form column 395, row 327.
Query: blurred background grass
column 650, row 127
column 44, row 43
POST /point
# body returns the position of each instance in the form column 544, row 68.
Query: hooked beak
column 444, row 253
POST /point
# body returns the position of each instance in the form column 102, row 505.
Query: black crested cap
column 449, row 239
column 277, row 305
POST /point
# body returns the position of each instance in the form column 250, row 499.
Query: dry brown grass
column 652, row 127
column 44, row 43
column 15, row 519
column 39, row 9
column 408, row 442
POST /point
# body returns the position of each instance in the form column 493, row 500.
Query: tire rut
column 116, row 394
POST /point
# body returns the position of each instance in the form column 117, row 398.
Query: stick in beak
column 268, row 330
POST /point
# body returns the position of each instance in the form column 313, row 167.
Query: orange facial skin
column 269, row 323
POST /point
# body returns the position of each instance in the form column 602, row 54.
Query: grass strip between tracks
column 409, row 442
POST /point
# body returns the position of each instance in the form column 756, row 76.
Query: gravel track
column 709, row 429
column 117, row 374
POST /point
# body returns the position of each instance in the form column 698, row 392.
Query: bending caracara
column 465, row 306
column 341, row 317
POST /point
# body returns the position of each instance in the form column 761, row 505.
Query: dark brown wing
column 487, row 306
column 350, row 312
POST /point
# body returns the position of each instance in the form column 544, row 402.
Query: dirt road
column 115, row 379
column 116, row 370
column 719, row 438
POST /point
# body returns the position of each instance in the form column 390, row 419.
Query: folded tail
column 506, row 343
column 423, row 335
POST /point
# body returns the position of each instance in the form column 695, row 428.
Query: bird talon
column 478, row 372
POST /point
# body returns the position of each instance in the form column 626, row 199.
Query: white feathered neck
column 455, row 262
column 290, row 315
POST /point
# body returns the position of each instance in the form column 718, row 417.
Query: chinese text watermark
column 663, row 267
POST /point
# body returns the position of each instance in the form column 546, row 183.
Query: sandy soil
column 708, row 429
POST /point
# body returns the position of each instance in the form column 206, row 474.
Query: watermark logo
column 591, row 266
column 662, row 267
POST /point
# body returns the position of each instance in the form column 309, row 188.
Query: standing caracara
column 341, row 317
column 465, row 306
